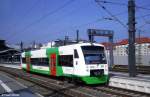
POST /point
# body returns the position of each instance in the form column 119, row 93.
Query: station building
column 120, row 51
column 9, row 53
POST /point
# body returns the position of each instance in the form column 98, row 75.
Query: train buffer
column 140, row 83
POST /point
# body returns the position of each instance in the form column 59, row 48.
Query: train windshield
column 94, row 54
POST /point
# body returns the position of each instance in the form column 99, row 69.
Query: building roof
column 125, row 41
column 137, row 40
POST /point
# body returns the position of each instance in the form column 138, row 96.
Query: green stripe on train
column 39, row 71
column 49, row 51
column 28, row 54
column 95, row 80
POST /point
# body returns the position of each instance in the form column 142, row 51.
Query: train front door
column 53, row 64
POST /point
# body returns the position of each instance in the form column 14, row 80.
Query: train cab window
column 94, row 54
column 76, row 54
column 66, row 60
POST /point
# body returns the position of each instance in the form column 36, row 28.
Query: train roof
column 73, row 45
column 84, row 44
column 69, row 47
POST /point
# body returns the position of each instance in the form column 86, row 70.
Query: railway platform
column 139, row 83
column 17, row 66
column 11, row 88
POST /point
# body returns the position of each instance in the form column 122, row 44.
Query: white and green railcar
column 83, row 61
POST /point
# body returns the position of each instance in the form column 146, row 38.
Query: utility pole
column 33, row 45
column 131, row 25
column 77, row 36
column 21, row 46
column 66, row 40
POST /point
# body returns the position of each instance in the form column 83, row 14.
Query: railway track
column 124, row 68
column 68, row 89
column 57, row 86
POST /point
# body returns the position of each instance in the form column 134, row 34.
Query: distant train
column 82, row 61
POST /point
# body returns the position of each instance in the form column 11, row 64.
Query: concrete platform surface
column 139, row 83
column 17, row 66
column 12, row 88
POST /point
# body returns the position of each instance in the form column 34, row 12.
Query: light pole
column 131, row 39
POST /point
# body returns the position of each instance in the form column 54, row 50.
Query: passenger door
column 28, row 63
column 53, row 64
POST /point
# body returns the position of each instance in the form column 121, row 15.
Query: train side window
column 76, row 54
column 44, row 61
column 66, row 60
column 33, row 61
column 39, row 61
column 23, row 60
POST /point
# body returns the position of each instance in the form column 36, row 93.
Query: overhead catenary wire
column 98, row 20
column 88, row 23
column 85, row 23
column 48, row 14
column 145, row 22
column 109, row 2
column 24, row 15
column 121, row 4
column 44, row 16
column 143, row 16
column 103, row 1
column 141, row 7
column 31, row 8
column 93, row 21
column 105, row 9
column 62, row 18
column 140, row 27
